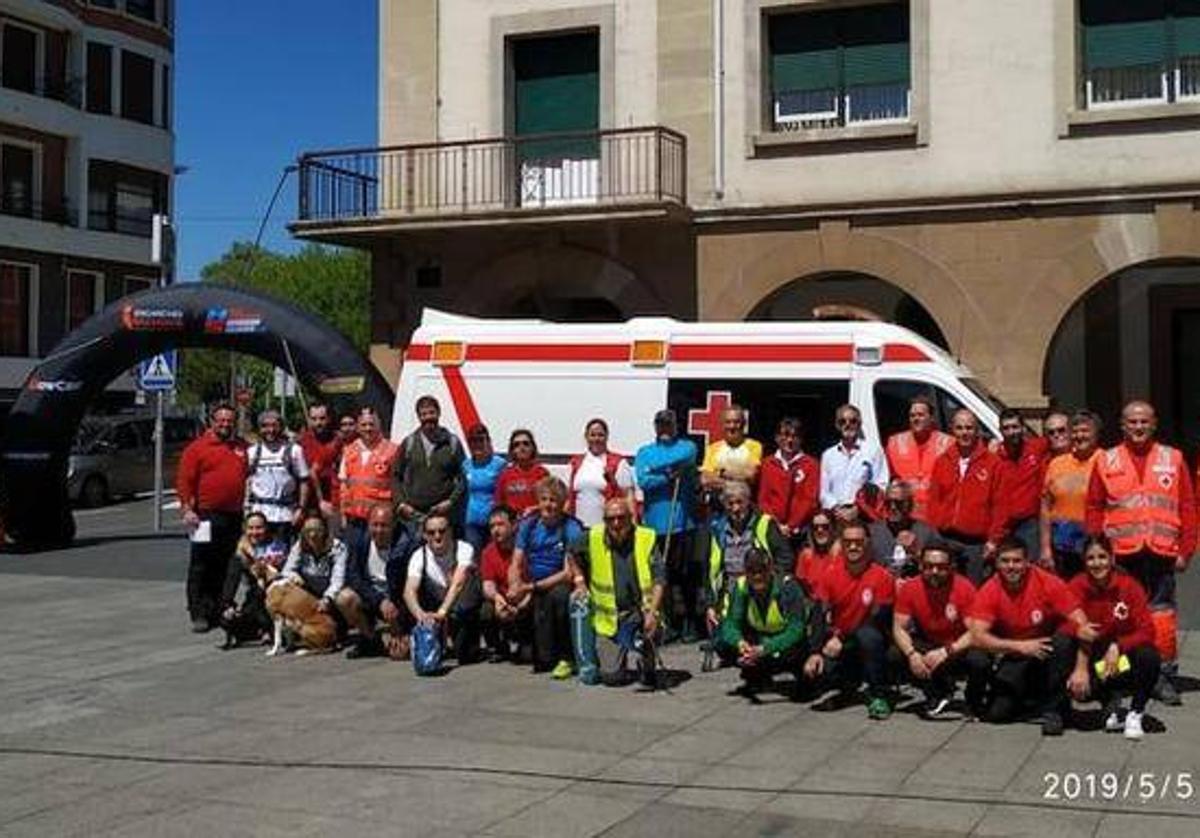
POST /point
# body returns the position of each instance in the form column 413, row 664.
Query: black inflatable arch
column 46, row 416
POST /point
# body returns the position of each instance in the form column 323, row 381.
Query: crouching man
column 619, row 567
column 769, row 627
column 374, row 585
column 930, row 634
column 1029, row 621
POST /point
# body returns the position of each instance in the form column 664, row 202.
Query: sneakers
column 878, row 708
column 365, row 648
column 1133, row 725
column 1052, row 723
column 937, row 708
column 200, row 625
column 1164, row 691
column 562, row 671
column 1112, row 717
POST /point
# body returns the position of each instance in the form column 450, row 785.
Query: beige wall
column 408, row 71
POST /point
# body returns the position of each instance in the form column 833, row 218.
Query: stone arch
column 783, row 258
column 558, row 272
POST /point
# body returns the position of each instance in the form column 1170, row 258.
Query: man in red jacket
column 963, row 502
column 1022, row 472
column 788, row 482
column 1140, row 496
column 322, row 447
column 211, row 485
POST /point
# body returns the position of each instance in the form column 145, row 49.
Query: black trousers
column 1020, row 683
column 1139, row 680
column 551, row 628
column 791, row 661
column 211, row 586
column 462, row 623
column 974, row 666
column 971, row 562
column 863, row 660
column 685, row 579
column 503, row 634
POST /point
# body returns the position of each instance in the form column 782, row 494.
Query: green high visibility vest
column 716, row 554
column 772, row 622
column 601, row 575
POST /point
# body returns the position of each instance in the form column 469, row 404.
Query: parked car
column 114, row 456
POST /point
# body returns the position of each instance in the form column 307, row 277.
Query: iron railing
column 548, row 171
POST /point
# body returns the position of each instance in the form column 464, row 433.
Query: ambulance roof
column 441, row 325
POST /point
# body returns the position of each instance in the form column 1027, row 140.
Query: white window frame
column 887, row 120
column 98, row 295
column 1176, row 79
column 39, row 53
column 32, row 308
column 800, row 117
column 36, row 148
column 1165, row 80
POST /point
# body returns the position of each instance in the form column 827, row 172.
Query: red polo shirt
column 788, row 492
column 1120, row 609
column 851, row 599
column 212, row 474
column 937, row 615
column 1038, row 609
column 811, row 565
column 323, row 458
column 494, row 565
column 966, row 504
column 1020, row 481
column 516, row 487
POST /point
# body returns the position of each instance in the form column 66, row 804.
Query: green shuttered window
column 837, row 66
column 557, row 89
column 1143, row 51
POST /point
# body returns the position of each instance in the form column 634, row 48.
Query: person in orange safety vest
column 367, row 478
column 1140, row 496
column 911, row 453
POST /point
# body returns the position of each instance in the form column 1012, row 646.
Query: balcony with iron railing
column 533, row 178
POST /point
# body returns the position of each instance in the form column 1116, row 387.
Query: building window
column 836, row 67
column 18, row 178
column 165, row 117
column 145, row 9
column 122, row 199
column 137, row 87
column 134, row 284
column 85, row 297
column 99, row 78
column 1140, row 53
column 19, row 58
column 16, row 286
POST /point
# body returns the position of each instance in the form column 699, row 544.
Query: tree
column 332, row 283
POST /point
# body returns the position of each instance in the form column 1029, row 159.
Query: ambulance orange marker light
column 448, row 353
column 648, row 353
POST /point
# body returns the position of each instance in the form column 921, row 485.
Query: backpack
column 426, row 650
column 288, row 459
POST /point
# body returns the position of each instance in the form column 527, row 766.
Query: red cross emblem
column 706, row 421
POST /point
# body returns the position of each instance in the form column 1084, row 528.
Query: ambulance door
column 890, row 397
column 698, row 402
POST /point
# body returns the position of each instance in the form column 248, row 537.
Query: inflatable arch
column 46, row 416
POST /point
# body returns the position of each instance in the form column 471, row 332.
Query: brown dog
column 295, row 610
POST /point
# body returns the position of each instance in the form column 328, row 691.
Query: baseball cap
column 664, row 417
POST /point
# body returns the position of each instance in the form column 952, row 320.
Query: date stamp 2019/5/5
column 1137, row 786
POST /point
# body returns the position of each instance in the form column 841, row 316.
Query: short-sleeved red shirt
column 1120, row 610
column 938, row 615
column 493, row 566
column 853, row 599
column 1038, row 609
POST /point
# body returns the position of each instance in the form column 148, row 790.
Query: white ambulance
column 551, row 378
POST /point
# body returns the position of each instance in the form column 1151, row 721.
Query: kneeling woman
column 303, row 598
column 1122, row 658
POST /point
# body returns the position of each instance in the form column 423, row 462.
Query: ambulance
column 551, row 378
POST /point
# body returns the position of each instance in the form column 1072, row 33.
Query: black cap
column 664, row 417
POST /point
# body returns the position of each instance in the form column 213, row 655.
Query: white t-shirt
column 272, row 487
column 589, row 487
column 424, row 566
column 376, row 565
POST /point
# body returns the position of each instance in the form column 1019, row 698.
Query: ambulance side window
column 892, row 398
column 697, row 403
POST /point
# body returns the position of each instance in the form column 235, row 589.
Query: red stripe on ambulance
column 680, row 353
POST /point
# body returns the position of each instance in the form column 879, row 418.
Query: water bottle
column 583, row 638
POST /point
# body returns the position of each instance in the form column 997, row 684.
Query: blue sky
column 256, row 83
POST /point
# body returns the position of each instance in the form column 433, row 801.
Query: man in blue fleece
column 666, row 474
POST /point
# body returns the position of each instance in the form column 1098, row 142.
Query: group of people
column 1037, row 569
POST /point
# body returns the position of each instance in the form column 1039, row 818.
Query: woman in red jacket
column 1122, row 657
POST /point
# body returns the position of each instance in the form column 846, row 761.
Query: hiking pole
column 671, row 526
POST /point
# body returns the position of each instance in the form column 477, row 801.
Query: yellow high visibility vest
column 601, row 575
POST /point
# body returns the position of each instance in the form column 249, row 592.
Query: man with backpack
column 277, row 484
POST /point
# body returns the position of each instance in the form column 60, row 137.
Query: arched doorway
column 43, row 422
column 1136, row 334
column 849, row 295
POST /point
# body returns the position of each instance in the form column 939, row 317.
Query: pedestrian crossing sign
column 158, row 373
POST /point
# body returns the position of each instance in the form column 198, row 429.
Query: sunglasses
column 848, row 423
column 438, row 531
column 817, row 526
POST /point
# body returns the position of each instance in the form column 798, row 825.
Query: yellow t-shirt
column 719, row 455
column 1066, row 486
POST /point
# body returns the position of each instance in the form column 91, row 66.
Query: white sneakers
column 1133, row 725
column 1113, row 723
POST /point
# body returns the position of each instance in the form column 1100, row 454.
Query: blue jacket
column 396, row 564
column 656, row 465
column 481, row 486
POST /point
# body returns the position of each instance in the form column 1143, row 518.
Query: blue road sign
column 158, row 373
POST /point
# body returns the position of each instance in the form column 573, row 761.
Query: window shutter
column 557, row 84
column 1187, row 29
column 804, row 52
column 876, row 52
column 1117, row 33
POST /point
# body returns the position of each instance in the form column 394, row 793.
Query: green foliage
column 333, row 283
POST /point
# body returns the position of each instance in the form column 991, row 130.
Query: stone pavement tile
column 823, row 808
column 969, row 769
column 786, row 750
column 668, row 821
column 540, row 697
column 571, row 814
column 657, row 776
column 861, row 767
column 907, row 730
column 230, row 821
column 740, row 717
column 1036, row 777
column 940, row 816
column 696, row 744
column 1015, row 820
column 1124, row 826
column 737, row 788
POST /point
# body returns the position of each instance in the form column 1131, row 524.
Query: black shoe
column 499, row 654
column 365, row 648
column 201, row 625
column 1052, row 723
column 647, row 674
column 1164, row 691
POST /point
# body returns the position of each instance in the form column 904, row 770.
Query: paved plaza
column 115, row 720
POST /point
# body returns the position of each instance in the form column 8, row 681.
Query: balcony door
column 556, row 90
